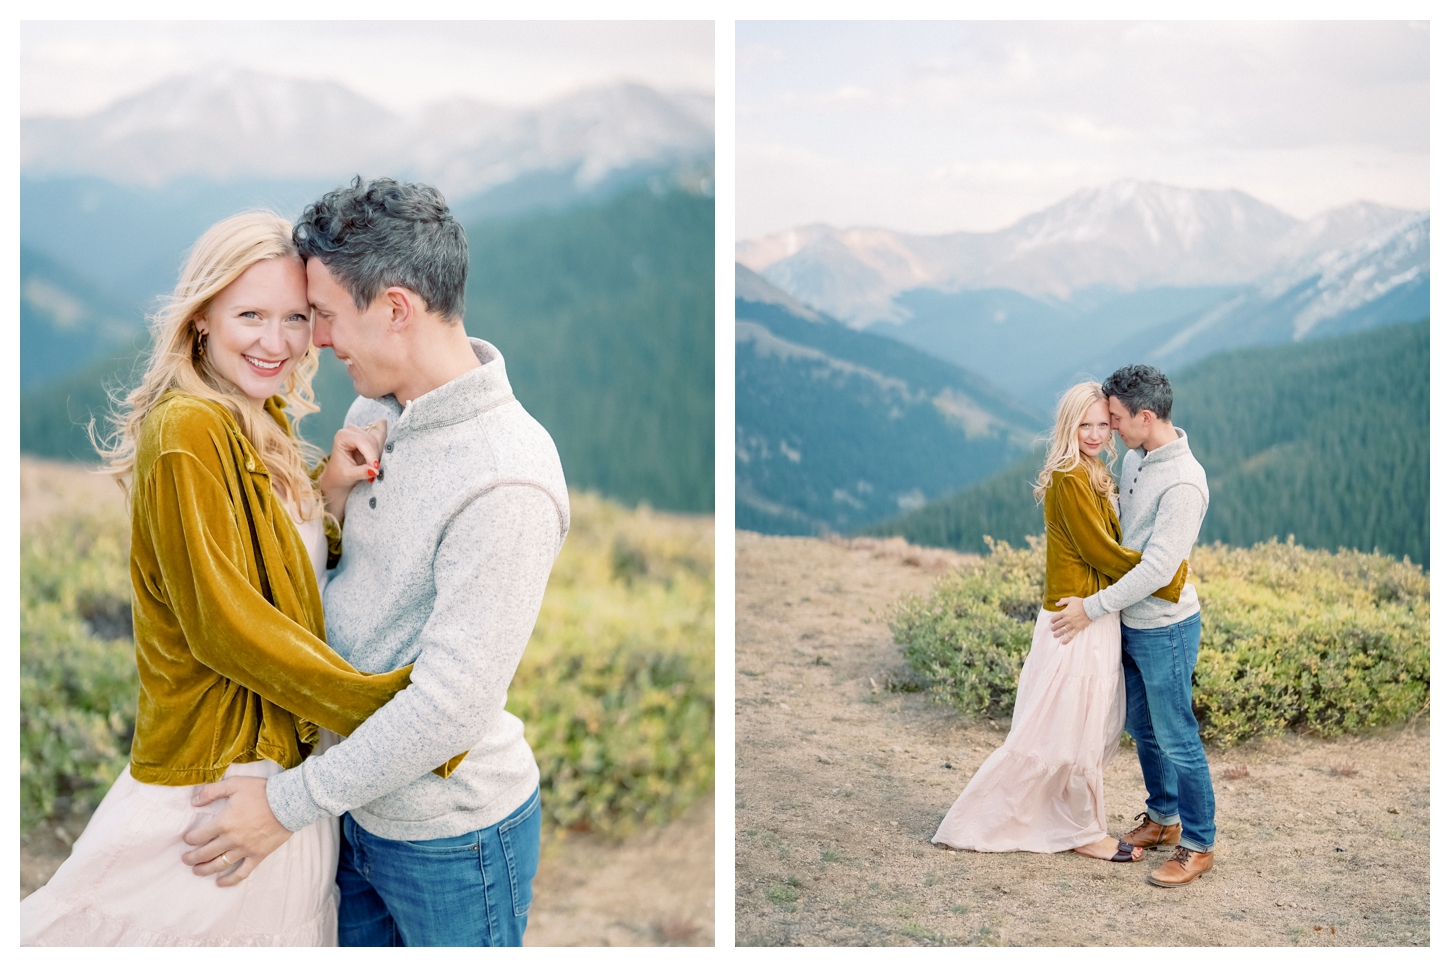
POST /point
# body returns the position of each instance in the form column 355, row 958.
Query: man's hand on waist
column 1070, row 620
column 239, row 837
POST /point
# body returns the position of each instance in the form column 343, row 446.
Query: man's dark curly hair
column 1139, row 388
column 384, row 233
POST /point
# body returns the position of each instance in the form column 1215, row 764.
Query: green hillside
column 836, row 428
column 66, row 321
column 53, row 416
column 1327, row 440
column 605, row 315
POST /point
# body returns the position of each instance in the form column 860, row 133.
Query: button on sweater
column 1161, row 511
column 444, row 563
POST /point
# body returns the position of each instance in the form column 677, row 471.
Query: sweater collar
column 459, row 399
column 1168, row 451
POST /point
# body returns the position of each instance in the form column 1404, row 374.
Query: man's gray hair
column 1140, row 387
column 385, row 233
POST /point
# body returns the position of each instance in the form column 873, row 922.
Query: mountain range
column 121, row 193
column 1382, row 277
column 1197, row 283
column 835, row 428
column 1123, row 237
column 1130, row 272
column 231, row 124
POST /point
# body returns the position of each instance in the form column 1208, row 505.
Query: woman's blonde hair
column 179, row 361
column 1063, row 453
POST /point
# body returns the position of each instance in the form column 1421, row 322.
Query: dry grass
column 933, row 560
column 1236, row 772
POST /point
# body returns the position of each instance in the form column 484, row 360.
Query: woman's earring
column 198, row 346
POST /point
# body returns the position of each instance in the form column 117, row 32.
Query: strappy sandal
column 1125, row 854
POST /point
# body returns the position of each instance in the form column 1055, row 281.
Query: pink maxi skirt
column 1042, row 791
column 125, row 885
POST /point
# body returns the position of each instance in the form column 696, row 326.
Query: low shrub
column 1293, row 638
column 968, row 639
column 78, row 682
column 1318, row 641
column 617, row 687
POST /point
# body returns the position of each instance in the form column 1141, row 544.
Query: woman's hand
column 356, row 451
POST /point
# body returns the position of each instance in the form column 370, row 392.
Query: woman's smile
column 263, row 366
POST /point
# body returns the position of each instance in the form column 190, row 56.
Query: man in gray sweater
column 457, row 513
column 1163, row 497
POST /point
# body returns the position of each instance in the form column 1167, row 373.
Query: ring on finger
column 369, row 427
column 225, row 860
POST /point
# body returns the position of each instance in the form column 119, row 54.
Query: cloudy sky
column 930, row 127
column 71, row 68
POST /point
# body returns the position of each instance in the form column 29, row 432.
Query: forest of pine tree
column 1327, row 440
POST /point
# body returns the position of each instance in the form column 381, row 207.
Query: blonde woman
column 1042, row 791
column 228, row 552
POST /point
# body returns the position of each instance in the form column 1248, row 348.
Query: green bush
column 1293, row 638
column 1310, row 640
column 968, row 639
column 77, row 664
column 616, row 688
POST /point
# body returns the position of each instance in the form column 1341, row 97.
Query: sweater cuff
column 291, row 803
column 1094, row 607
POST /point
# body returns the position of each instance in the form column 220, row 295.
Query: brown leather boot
column 1185, row 867
column 1151, row 835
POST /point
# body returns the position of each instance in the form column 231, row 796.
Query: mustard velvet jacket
column 230, row 641
column 1083, row 550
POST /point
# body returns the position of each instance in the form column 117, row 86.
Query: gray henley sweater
column 444, row 562
column 1162, row 498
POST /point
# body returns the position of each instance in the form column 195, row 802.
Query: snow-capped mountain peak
column 1358, row 273
column 1162, row 216
column 1125, row 236
column 231, row 123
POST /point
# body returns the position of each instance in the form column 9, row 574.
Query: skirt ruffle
column 124, row 883
column 1042, row 791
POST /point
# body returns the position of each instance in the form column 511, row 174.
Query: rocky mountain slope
column 835, row 428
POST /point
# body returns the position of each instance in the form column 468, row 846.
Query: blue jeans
column 472, row 890
column 1158, row 666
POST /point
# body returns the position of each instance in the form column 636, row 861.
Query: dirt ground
column 841, row 782
column 655, row 888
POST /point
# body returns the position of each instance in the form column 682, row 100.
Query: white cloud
column 76, row 67
column 971, row 125
column 781, row 186
column 753, row 55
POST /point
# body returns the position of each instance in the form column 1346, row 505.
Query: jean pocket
column 519, row 837
column 448, row 846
